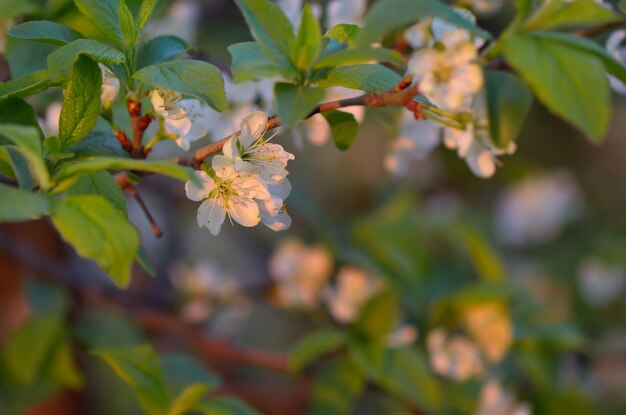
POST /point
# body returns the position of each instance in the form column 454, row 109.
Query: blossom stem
column 155, row 228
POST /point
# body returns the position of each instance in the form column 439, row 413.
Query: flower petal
column 211, row 215
column 252, row 128
column 244, row 211
column 197, row 193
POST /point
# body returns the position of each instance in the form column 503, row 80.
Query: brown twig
column 140, row 124
column 155, row 228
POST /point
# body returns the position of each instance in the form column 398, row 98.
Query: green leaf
column 98, row 144
column 81, row 102
column 25, row 56
column 63, row 58
column 20, row 205
column 361, row 55
column 484, row 258
column 553, row 14
column 611, row 65
column 249, row 63
column 113, row 163
column 103, row 184
column 295, row 102
column 344, row 33
column 337, row 389
column 406, row 375
column 28, row 142
column 188, row 399
column 25, row 353
column 127, row 25
column 139, row 367
column 145, row 11
column 104, row 14
column 270, row 28
column 190, row 77
column 46, row 32
column 508, row 102
column 97, row 231
column 160, row 49
column 378, row 316
column 368, row 78
column 570, row 82
column 343, row 127
column 180, row 371
column 314, row 345
column 17, row 166
column 308, row 43
column 226, row 406
column 144, row 260
column 26, row 85
column 17, row 111
column 387, row 16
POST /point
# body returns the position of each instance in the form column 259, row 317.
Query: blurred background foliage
column 436, row 293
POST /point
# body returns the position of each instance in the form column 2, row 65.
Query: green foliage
column 28, row 142
column 294, row 102
column 103, row 184
column 270, row 28
column 105, row 15
column 556, row 14
column 160, row 49
column 308, row 43
column 26, row 85
column 378, row 315
column 570, row 82
column 314, row 345
column 359, row 55
column 343, row 127
column 336, row 389
column 98, row 231
column 225, row 406
column 508, row 102
column 145, row 11
column 368, row 78
column 189, row 77
column 250, row 63
column 46, row 32
column 31, row 205
column 386, row 16
column 344, row 33
column 81, row 102
column 63, row 58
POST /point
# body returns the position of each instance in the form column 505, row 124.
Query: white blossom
column 273, row 211
column 110, row 86
column 50, row 124
column 183, row 119
column 494, row 400
column 181, row 20
column 417, row 138
column 537, row 209
column 251, row 152
column 353, row 288
column 600, row 283
column 402, row 335
column 342, row 11
column 447, row 77
column 227, row 192
column 455, row 357
column 300, row 273
column 615, row 48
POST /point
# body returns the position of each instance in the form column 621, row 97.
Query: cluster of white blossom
column 444, row 66
column 601, row 283
column 247, row 183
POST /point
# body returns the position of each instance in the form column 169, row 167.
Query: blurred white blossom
column 202, row 288
column 482, row 6
column 494, row 400
column 536, row 209
column 455, row 357
column 300, row 273
column 600, row 283
column 110, row 86
column 417, row 138
column 402, row 335
column 614, row 47
column 337, row 11
column 181, row 20
column 354, row 286
column 50, row 123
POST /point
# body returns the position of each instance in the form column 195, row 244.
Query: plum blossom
column 447, row 77
column 600, row 283
column 414, row 142
column 226, row 192
column 181, row 119
column 299, row 273
column 202, row 287
column 455, row 357
column 251, row 152
column 354, row 287
column 110, row 87
column 494, row 400
column 50, row 124
column 615, row 48
column 536, row 209
column 273, row 211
